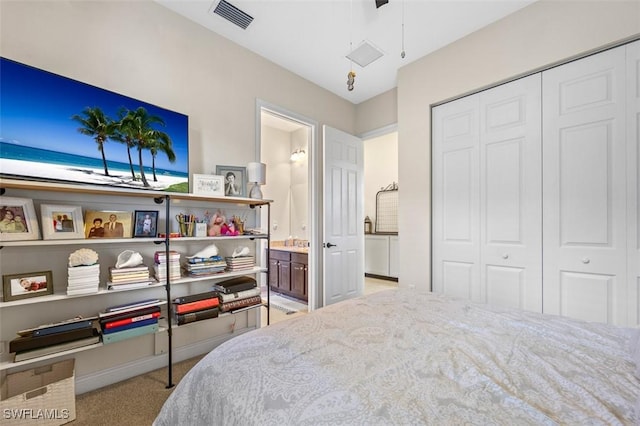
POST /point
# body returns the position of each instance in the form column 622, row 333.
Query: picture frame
column 210, row 185
column 26, row 285
column 97, row 224
column 60, row 222
column 18, row 220
column 145, row 223
column 235, row 180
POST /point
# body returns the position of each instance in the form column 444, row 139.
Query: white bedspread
column 397, row 357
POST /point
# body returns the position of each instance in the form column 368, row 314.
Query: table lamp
column 256, row 173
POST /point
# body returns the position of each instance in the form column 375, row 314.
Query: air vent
column 233, row 14
column 365, row 54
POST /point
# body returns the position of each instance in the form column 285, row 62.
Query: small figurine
column 229, row 229
column 215, row 226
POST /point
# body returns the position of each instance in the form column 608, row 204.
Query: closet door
column 510, row 194
column 584, row 189
column 633, row 178
column 486, row 196
column 455, row 198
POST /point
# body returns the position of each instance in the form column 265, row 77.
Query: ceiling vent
column 364, row 54
column 233, row 14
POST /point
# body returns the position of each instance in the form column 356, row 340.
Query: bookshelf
column 52, row 255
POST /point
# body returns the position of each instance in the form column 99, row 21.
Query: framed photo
column 23, row 286
column 61, row 222
column 107, row 224
column 211, row 185
column 235, row 180
column 145, row 223
column 18, row 221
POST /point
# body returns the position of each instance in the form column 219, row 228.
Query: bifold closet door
column 486, row 196
column 633, row 174
column 456, row 198
column 584, row 189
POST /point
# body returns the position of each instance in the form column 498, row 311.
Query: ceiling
column 311, row 38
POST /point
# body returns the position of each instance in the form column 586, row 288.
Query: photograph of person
column 12, row 219
column 62, row 222
column 145, row 223
column 235, row 180
column 107, row 224
column 28, row 285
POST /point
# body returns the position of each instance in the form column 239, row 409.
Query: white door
column 633, row 179
column 455, row 192
column 584, row 189
column 343, row 218
column 510, row 195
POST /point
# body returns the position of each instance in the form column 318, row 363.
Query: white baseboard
column 126, row 371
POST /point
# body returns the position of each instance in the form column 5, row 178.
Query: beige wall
column 377, row 112
column 143, row 50
column 539, row 35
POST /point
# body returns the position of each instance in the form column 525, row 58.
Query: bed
column 401, row 357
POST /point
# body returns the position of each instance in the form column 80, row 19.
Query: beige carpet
column 136, row 401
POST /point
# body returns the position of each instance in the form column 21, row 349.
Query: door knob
column 586, row 260
column 329, row 245
column 505, row 256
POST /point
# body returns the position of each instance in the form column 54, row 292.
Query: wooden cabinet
column 288, row 273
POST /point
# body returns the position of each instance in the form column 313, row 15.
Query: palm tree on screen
column 160, row 142
column 125, row 134
column 97, row 125
column 143, row 134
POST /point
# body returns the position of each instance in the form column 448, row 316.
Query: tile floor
column 371, row 285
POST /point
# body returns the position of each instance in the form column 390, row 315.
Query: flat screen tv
column 53, row 128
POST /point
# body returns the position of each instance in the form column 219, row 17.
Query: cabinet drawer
column 279, row 255
column 299, row 258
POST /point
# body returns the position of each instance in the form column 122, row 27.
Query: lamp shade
column 257, row 173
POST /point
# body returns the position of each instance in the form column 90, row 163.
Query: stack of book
column 83, row 279
column 240, row 263
column 53, row 338
column 239, row 292
column 131, row 320
column 196, row 307
column 160, row 267
column 201, row 266
column 132, row 277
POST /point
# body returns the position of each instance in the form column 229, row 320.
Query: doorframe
column 315, row 192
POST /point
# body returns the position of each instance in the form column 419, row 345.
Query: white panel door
column 510, row 194
column 455, row 192
column 584, row 189
column 633, row 179
column 343, row 233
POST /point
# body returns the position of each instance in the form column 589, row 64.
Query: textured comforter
column 397, row 357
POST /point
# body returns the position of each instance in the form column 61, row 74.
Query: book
column 115, row 271
column 52, row 327
column 132, row 305
column 161, row 256
column 61, row 347
column 127, row 334
column 197, row 305
column 125, row 321
column 241, row 303
column 126, row 286
column 129, row 326
column 25, row 343
column 84, row 270
column 240, row 295
column 195, row 297
column 187, row 318
column 62, row 327
column 119, row 315
column 195, row 260
column 235, row 285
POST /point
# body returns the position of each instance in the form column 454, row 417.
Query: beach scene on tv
column 53, row 128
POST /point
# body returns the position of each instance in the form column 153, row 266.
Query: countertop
column 290, row 249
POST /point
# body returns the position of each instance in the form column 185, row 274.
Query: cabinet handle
column 505, row 256
column 586, row 260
